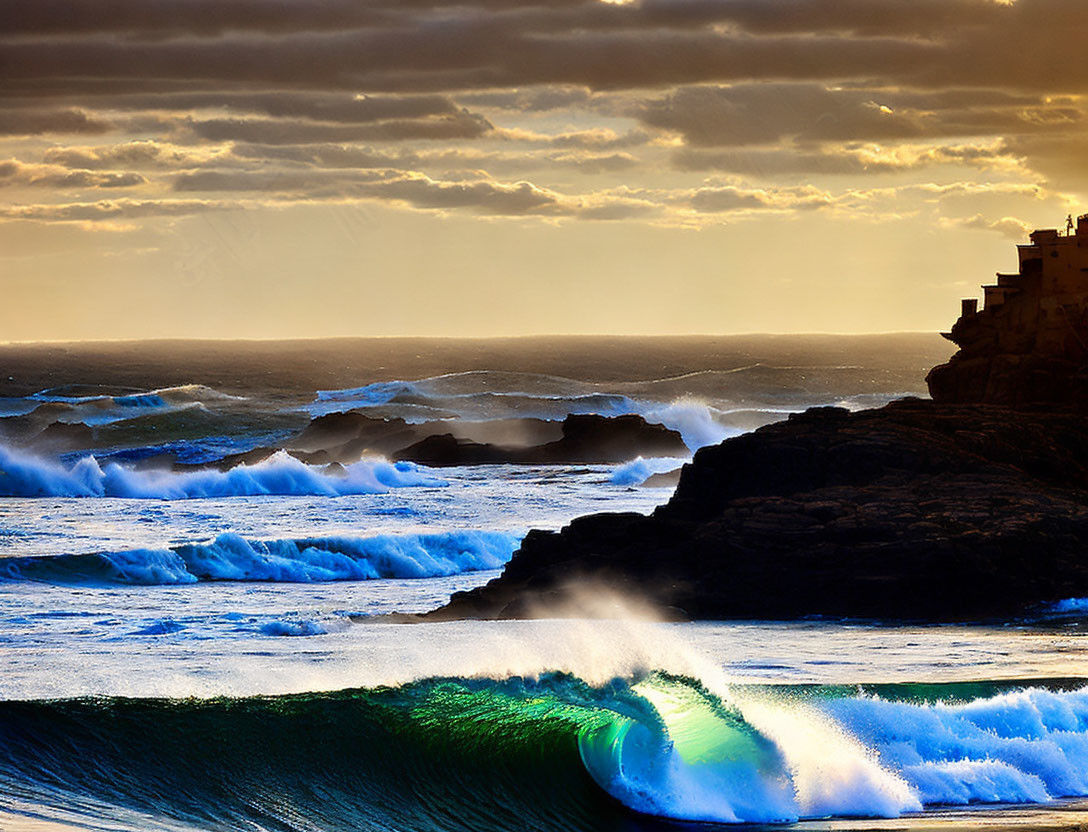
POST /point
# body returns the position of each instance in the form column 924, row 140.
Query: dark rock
column 446, row 449
column 585, row 439
column 913, row 511
column 665, row 479
column 63, row 436
column 347, row 437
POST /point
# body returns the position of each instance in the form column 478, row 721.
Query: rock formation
column 344, row 438
column 1029, row 343
column 971, row 506
column 585, row 439
column 913, row 511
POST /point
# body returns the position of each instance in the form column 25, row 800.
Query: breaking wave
column 308, row 560
column 637, row 471
column 486, row 395
column 547, row 753
column 26, row 475
column 92, row 405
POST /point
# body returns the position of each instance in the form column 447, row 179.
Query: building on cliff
column 1029, row 342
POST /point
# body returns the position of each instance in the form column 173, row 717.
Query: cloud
column 61, row 48
column 1059, row 158
column 460, row 106
column 201, row 17
column 114, row 210
column 347, row 108
column 139, row 154
column 1011, row 227
column 31, row 122
column 326, row 155
column 520, row 198
column 717, row 199
column 767, row 113
column 842, row 159
column 462, row 125
column 14, row 172
column 308, row 182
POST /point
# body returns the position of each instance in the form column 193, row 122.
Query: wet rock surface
column 914, row 511
column 585, row 439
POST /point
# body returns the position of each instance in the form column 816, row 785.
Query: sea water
column 189, row 648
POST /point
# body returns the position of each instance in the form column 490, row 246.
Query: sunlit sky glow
column 300, row 168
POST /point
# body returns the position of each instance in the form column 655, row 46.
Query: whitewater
column 195, row 639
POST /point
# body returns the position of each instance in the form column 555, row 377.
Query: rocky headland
column 973, row 505
column 915, row 511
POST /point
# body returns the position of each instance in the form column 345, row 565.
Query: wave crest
column 25, row 475
column 543, row 753
column 232, row 558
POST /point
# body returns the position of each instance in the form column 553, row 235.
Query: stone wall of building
column 1029, row 341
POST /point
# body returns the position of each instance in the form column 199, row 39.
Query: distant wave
column 308, row 560
column 89, row 405
column 149, row 398
column 25, row 475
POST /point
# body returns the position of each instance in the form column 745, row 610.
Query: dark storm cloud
column 204, row 17
column 326, row 107
column 462, row 54
column 35, row 122
column 751, row 114
column 330, row 99
column 462, row 125
column 207, row 17
column 1028, row 45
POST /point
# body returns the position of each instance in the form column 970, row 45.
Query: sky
column 309, row 168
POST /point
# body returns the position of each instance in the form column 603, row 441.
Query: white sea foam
column 25, row 475
column 1070, row 606
column 232, row 558
column 293, row 628
column 1024, row 746
column 856, row 756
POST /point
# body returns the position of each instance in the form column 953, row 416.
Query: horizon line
column 311, row 338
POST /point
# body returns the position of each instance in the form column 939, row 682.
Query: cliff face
column 913, row 511
column 1029, row 343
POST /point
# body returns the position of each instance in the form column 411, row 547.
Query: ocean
column 191, row 644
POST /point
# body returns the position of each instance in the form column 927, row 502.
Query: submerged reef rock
column 1029, row 343
column 585, row 439
column 914, row 511
column 970, row 506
